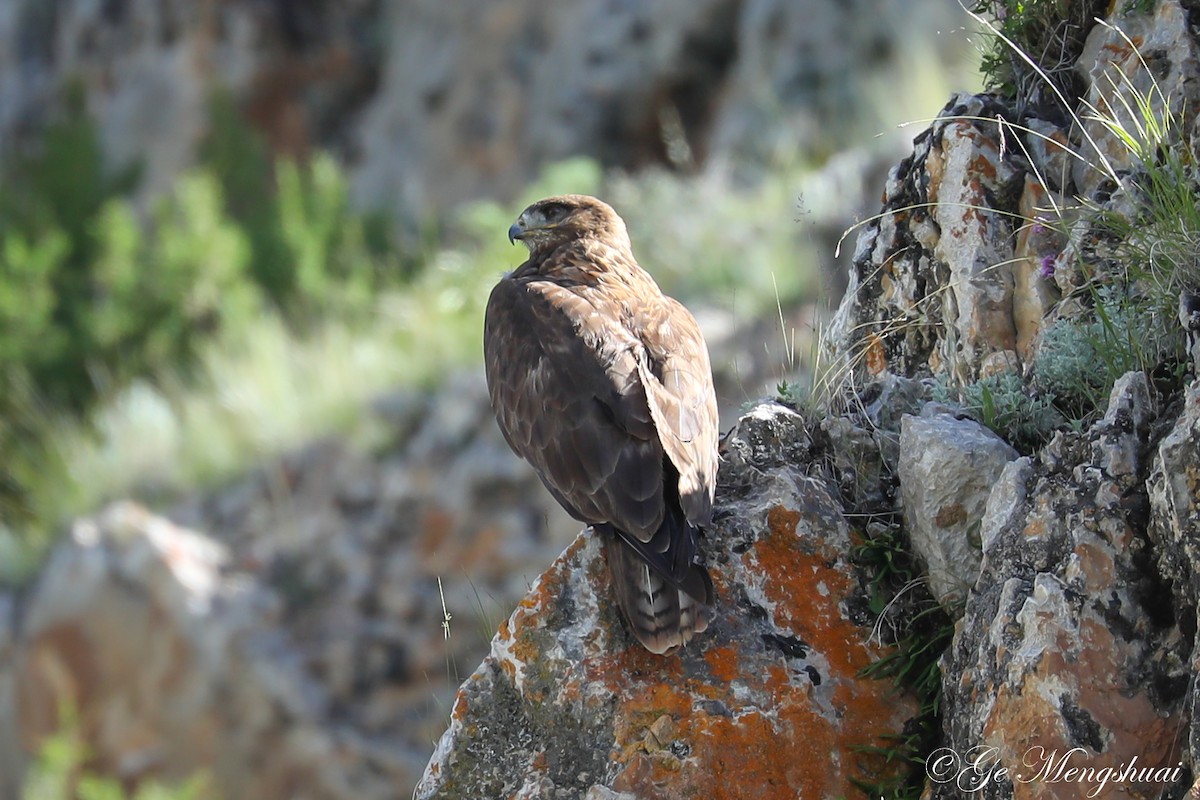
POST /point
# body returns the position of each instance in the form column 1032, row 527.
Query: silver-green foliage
column 1080, row 359
column 1024, row 418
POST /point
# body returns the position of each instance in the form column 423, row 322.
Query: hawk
column 603, row 384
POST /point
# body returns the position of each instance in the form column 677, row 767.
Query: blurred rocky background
column 256, row 522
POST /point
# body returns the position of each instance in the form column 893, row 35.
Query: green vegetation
column 1073, row 372
column 1020, row 416
column 1035, row 43
column 918, row 630
column 96, row 293
column 1080, row 360
column 60, row 773
column 244, row 386
column 1157, row 237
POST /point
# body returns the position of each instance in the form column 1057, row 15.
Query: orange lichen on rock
column 723, row 663
column 746, row 721
column 873, row 354
column 768, row 754
column 1027, row 726
column 461, row 706
column 807, row 592
column 767, row 702
column 984, row 165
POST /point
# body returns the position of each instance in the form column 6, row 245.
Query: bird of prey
column 603, row 384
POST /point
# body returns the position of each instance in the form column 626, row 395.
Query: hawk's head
column 556, row 220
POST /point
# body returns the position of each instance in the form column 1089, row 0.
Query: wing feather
column 678, row 383
column 573, row 405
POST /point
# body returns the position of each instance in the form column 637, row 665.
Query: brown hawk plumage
column 603, row 384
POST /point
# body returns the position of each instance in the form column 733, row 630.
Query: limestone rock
column 766, row 703
column 863, row 443
column 948, row 467
column 169, row 668
column 1174, row 489
column 1063, row 643
column 1152, row 58
column 932, row 285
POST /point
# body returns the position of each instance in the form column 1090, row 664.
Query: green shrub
column 96, row 293
column 1048, row 33
column 1079, row 360
column 918, row 630
column 1024, row 418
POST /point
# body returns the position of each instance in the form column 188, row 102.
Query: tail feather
column 663, row 611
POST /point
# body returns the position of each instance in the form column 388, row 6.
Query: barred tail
column 662, row 612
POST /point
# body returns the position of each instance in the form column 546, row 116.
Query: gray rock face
column 169, row 667
column 767, row 702
column 948, row 467
column 1063, row 643
column 433, row 103
column 148, row 71
column 947, row 280
column 1174, row 489
column 1077, row 644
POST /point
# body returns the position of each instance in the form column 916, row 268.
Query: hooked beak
column 515, row 231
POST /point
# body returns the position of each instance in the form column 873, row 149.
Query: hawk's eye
column 554, row 211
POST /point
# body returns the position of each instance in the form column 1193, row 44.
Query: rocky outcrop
column 432, row 104
column 1152, row 56
column 1174, row 495
column 768, row 702
column 980, row 236
column 170, row 669
column 1071, row 670
column 948, row 279
column 1067, row 656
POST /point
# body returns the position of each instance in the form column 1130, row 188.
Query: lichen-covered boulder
column 766, row 703
column 1066, row 650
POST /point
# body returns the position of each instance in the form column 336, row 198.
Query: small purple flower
column 1049, row 265
column 1038, row 228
